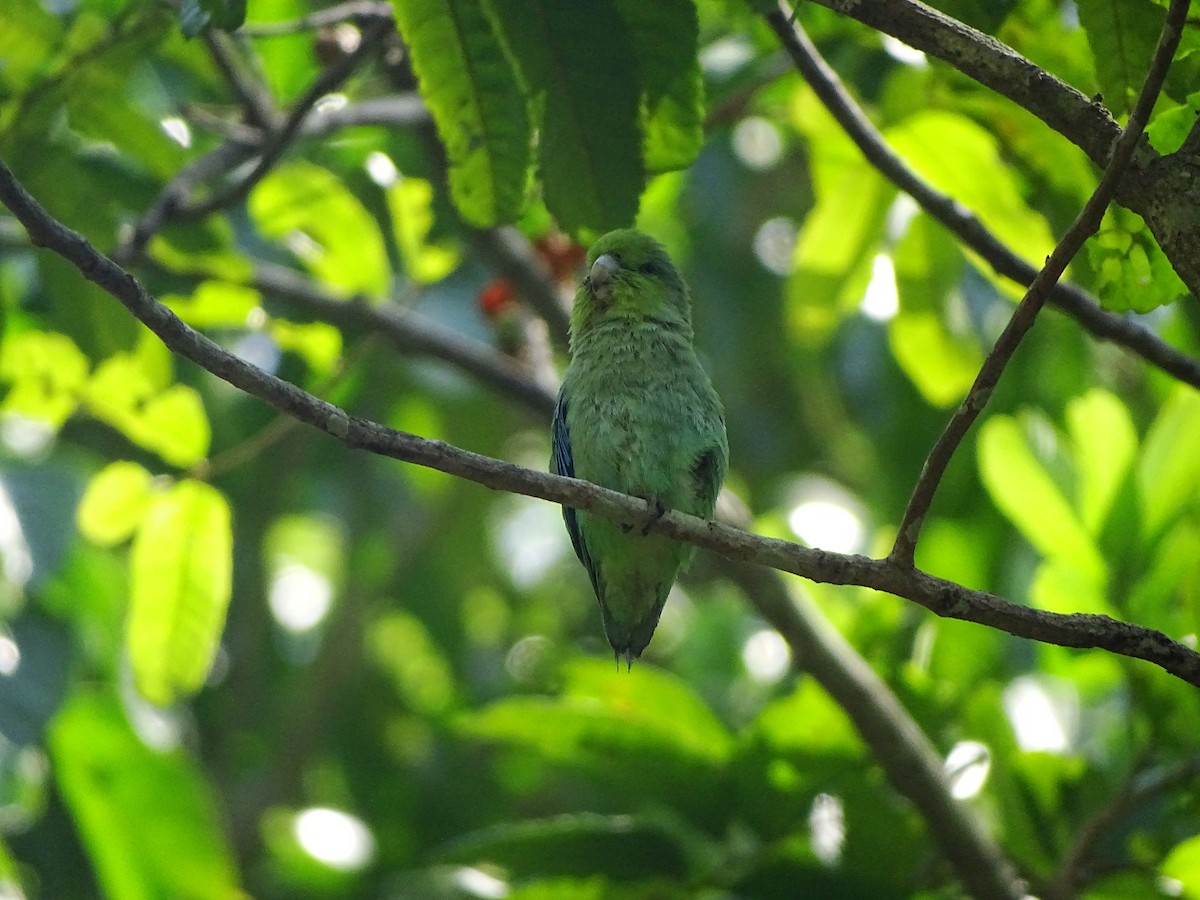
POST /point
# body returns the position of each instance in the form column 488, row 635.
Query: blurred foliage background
column 237, row 659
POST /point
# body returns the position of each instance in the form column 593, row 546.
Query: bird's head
column 629, row 275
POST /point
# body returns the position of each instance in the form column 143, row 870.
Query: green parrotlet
column 637, row 414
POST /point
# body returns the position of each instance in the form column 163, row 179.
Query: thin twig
column 1068, row 298
column 408, row 330
column 253, row 96
column 945, row 598
column 279, row 141
column 243, row 142
column 1085, row 225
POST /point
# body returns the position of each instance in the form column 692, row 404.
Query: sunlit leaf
column 180, row 577
column 216, row 304
column 472, row 91
column 45, row 373
column 941, row 366
column 1028, row 496
column 836, row 251
column 410, row 201
column 1104, row 442
column 319, row 344
column 115, row 500
column 950, row 151
column 1183, row 865
column 147, row 819
column 402, row 648
column 324, row 225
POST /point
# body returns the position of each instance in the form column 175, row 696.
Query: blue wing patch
column 563, row 463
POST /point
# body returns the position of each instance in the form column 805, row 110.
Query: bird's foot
column 657, row 510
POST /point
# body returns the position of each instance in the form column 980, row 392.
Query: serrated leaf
column 472, row 92
column 180, row 581
column 1024, row 491
column 324, row 224
column 147, row 819
column 586, row 90
column 114, row 502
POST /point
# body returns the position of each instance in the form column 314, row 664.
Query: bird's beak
column 600, row 277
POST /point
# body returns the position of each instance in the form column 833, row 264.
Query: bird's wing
column 563, row 463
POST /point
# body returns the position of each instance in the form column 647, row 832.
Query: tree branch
column 1084, row 226
column 993, row 64
column 409, row 332
column 1068, row 298
column 897, row 743
column 945, row 598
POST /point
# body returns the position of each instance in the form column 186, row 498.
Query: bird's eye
column 649, row 268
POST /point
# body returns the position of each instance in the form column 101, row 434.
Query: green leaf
column 808, row 721
column 171, row 423
column 180, row 582
column 175, row 426
column 410, row 202
column 1122, row 35
column 836, row 252
column 472, row 91
column 325, row 225
column 1025, row 492
column 1183, row 865
column 46, row 374
column 665, row 36
column 400, row 646
column 114, row 503
column 643, row 734
column 216, row 304
column 146, row 819
column 941, row 366
column 1169, row 470
column 590, row 136
column 1104, row 442
column 950, row 151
